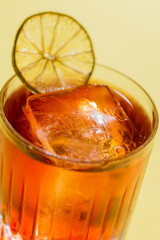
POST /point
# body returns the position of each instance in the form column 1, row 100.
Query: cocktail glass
column 45, row 196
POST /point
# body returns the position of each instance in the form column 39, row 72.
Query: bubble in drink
column 86, row 123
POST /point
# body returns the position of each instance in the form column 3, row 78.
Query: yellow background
column 126, row 36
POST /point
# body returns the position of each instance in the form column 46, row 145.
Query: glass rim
column 32, row 147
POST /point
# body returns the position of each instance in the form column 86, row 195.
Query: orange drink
column 72, row 162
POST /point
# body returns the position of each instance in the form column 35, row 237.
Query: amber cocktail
column 72, row 162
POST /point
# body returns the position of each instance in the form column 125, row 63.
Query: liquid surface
column 90, row 122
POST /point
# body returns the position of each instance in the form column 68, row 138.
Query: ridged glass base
column 5, row 233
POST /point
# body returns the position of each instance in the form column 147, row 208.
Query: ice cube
column 85, row 123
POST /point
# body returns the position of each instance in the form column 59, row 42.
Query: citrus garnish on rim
column 52, row 51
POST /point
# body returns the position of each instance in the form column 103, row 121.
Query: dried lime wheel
column 52, row 51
